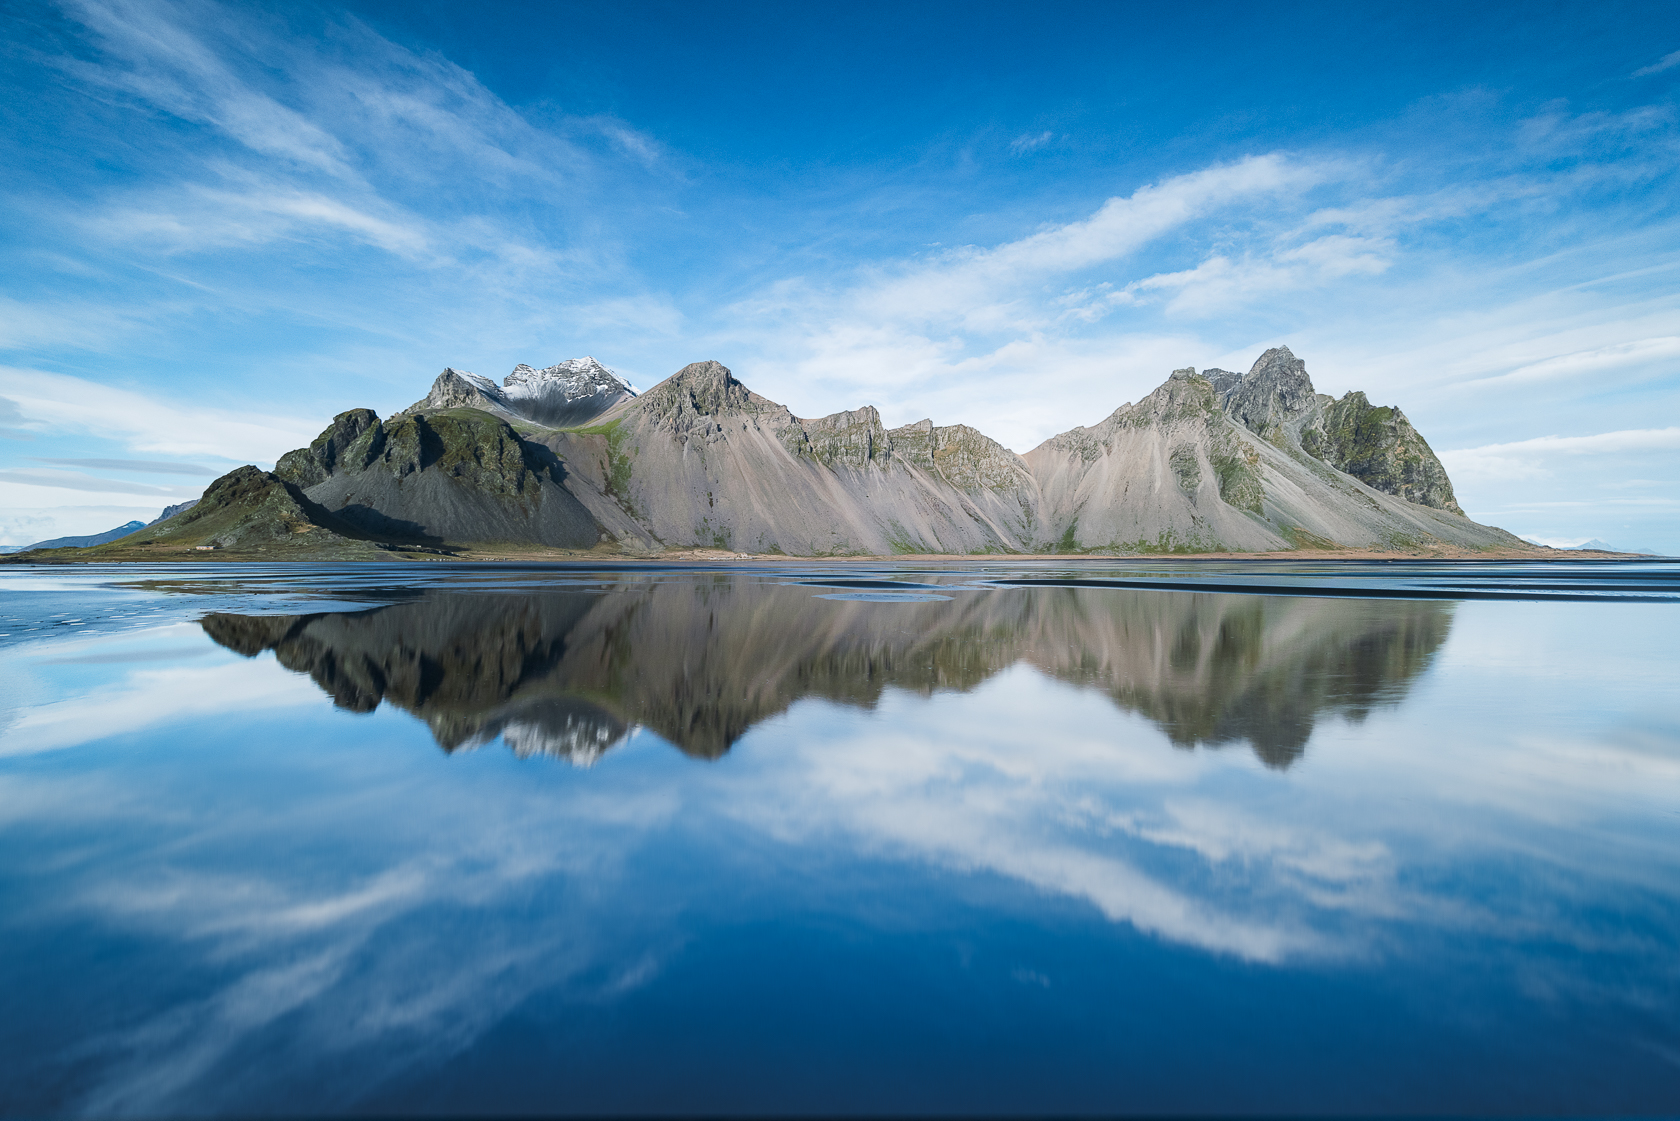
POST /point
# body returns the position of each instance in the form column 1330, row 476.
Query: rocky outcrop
column 355, row 429
column 1274, row 393
column 855, row 438
column 1375, row 444
column 693, row 402
column 963, row 457
column 700, row 460
column 1215, row 463
column 171, row 511
column 453, row 476
column 249, row 511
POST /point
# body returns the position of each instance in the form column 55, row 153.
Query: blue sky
column 224, row 224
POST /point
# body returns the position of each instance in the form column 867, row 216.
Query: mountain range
column 571, row 457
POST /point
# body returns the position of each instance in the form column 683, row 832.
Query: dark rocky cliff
column 452, row 476
column 1375, row 444
column 250, row 511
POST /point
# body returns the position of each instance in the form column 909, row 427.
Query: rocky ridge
column 1375, row 444
column 701, row 459
column 254, row 512
column 456, row 474
column 567, row 393
column 1216, row 460
column 171, row 511
column 1211, row 461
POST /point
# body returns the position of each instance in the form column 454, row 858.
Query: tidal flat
column 993, row 837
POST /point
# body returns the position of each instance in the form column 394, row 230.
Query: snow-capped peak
column 580, row 376
column 477, row 381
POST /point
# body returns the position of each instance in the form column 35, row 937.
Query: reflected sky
column 716, row 842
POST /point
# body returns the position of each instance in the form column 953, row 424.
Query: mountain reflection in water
column 570, row 673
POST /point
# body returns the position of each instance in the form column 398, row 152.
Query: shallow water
column 1388, row 838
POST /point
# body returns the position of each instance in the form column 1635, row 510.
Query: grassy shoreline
column 112, row 554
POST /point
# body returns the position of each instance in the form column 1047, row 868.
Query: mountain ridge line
column 572, row 458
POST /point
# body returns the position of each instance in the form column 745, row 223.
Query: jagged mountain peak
column 459, row 389
column 566, row 394
column 467, row 381
column 1184, row 394
column 1275, row 391
column 694, row 403
column 1375, row 444
column 708, row 372
column 585, row 374
column 702, row 389
column 1275, row 356
column 1223, row 381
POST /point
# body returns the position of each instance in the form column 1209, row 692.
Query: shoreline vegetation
column 479, row 554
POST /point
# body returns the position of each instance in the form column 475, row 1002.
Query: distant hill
column 89, row 540
column 1597, row 546
column 572, row 457
column 124, row 530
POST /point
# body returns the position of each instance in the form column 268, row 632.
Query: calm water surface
column 1016, row 838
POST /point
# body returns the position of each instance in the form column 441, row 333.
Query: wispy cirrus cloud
column 1220, row 284
column 963, row 321
column 976, row 286
column 75, row 480
column 202, row 218
column 1595, row 361
column 1029, row 142
column 296, row 149
column 147, row 466
column 148, row 423
column 1666, row 62
column 1524, row 459
column 152, row 55
column 347, row 114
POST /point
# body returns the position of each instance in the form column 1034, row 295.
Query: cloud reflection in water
column 309, row 893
